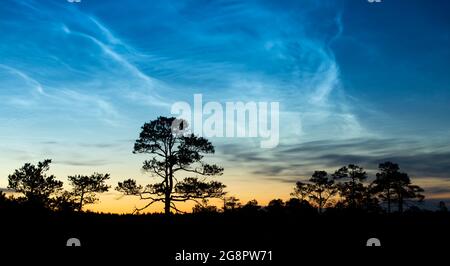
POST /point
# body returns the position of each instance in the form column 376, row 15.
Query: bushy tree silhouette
column 231, row 203
column 302, row 191
column 351, row 188
column 65, row 202
column 322, row 189
column 37, row 188
column 295, row 205
column 383, row 182
column 370, row 200
column 318, row 191
column 251, row 206
column 275, row 206
column 173, row 151
column 84, row 188
column 391, row 185
column 204, row 207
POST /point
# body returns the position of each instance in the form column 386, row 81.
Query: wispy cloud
column 30, row 81
column 56, row 98
column 290, row 162
column 149, row 83
column 83, row 162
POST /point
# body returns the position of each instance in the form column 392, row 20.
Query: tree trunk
column 80, row 207
column 168, row 191
column 167, row 204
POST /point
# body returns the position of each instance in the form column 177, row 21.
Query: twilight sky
column 357, row 83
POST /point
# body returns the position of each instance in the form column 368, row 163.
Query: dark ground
column 291, row 237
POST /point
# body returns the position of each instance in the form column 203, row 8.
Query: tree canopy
column 393, row 186
column 84, row 188
column 36, row 187
column 173, row 151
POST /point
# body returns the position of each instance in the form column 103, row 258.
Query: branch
column 146, row 206
column 172, row 205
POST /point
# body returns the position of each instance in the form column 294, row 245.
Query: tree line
column 345, row 189
column 38, row 190
column 177, row 162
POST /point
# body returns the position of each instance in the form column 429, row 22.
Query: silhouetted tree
column 275, row 206
column 370, row 200
column 204, row 207
column 322, row 189
column 32, row 182
column 129, row 187
column 231, row 203
column 295, row 205
column 173, row 151
column 302, row 190
column 251, row 206
column 65, row 202
column 350, row 186
column 84, row 188
column 318, row 191
column 382, row 185
column 404, row 190
column 394, row 186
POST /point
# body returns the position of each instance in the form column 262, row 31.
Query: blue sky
column 356, row 82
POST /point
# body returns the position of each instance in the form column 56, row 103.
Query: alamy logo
column 232, row 119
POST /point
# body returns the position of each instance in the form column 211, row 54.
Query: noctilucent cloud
column 357, row 82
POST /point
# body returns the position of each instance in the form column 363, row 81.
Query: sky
column 357, row 82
